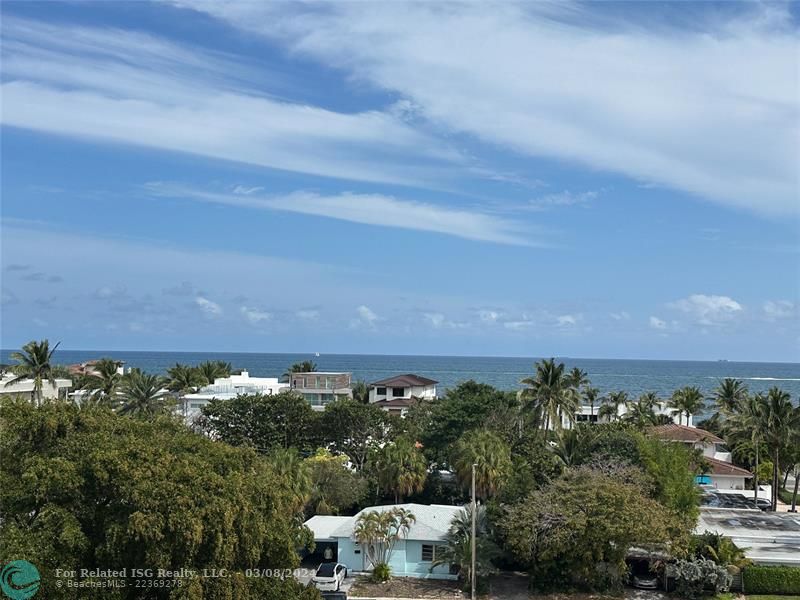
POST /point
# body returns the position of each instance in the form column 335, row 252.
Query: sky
column 602, row 179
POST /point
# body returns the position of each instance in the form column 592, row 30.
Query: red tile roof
column 683, row 433
column 719, row 467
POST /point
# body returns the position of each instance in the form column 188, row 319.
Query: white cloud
column 254, row 315
column 620, row 316
column 369, row 209
column 124, row 87
column 210, row 308
column 568, row 320
column 657, row 323
column 435, row 319
column 366, row 316
column 708, row 310
column 565, row 198
column 779, row 309
column 246, row 191
column 711, row 110
column 488, row 316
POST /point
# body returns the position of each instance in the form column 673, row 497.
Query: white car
column 329, row 577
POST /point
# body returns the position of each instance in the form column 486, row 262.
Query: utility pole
column 474, row 520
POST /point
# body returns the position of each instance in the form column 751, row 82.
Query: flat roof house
column 25, row 387
column 226, row 388
column 395, row 394
column 321, row 388
column 412, row 556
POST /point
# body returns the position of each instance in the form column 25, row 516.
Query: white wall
column 417, row 391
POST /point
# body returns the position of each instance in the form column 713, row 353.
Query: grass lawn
column 749, row 597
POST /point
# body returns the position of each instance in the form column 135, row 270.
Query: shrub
column 694, row 577
column 381, row 572
column 771, row 580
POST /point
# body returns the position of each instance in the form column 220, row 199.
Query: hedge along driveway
column 759, row 579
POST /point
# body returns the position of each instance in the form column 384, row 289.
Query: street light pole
column 474, row 517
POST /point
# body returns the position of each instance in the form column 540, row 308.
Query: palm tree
column 642, row 412
column 295, row 472
column 578, row 378
column 377, row 532
column 184, row 379
column 590, row 395
column 307, row 366
column 142, row 394
column 549, row 395
column 570, row 446
column 361, row 392
column 211, row 370
column 457, row 548
column 610, row 404
column 103, row 381
column 747, row 425
column 34, row 363
column 686, row 401
column 401, row 468
column 729, row 393
column 491, row 457
column 780, row 425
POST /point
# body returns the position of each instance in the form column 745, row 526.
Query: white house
column 722, row 473
column 226, row 388
column 413, row 554
column 590, row 414
column 25, row 387
column 402, row 386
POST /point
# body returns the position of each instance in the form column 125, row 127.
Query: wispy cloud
column 775, row 310
column 255, row 315
column 565, row 198
column 665, row 106
column 210, row 308
column 125, row 87
column 372, row 209
column 366, row 317
column 657, row 323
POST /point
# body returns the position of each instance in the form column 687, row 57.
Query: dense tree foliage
column 489, row 454
column 282, row 420
column 439, row 423
column 575, row 532
column 335, row 487
column 93, row 489
column 355, row 429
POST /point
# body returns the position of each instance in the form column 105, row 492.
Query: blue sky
column 596, row 180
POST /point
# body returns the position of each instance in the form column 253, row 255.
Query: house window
column 381, row 391
column 428, row 552
column 398, row 392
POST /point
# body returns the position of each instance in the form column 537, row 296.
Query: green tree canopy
column 335, row 487
column 491, row 457
column 352, row 428
column 94, row 489
column 283, row 420
column 576, row 531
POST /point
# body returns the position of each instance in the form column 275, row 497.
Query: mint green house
column 413, row 554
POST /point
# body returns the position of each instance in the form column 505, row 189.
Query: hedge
column 771, row 580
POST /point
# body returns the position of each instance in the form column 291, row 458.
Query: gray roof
column 323, row 526
column 407, row 380
column 432, row 522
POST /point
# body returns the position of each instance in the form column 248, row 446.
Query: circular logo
column 19, row 580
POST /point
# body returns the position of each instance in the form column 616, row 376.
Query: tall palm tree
column 746, row 425
column 578, row 378
column 780, row 425
column 142, row 394
column 212, row 370
column 491, row 457
column 34, row 362
column 590, row 395
column 728, row 394
column 457, row 548
column 609, row 408
column 401, row 468
column 103, row 381
column 550, row 395
column 642, row 412
column 686, row 401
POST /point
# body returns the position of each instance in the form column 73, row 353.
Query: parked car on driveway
column 329, row 577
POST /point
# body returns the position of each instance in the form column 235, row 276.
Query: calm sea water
column 633, row 376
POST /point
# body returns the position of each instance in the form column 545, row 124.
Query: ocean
column 633, row 376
